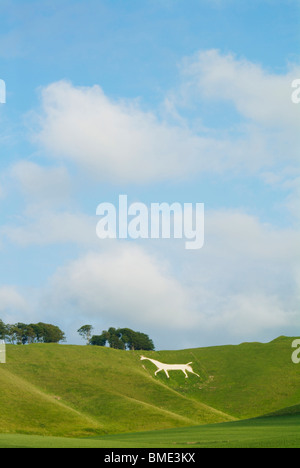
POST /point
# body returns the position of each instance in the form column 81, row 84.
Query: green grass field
column 275, row 432
column 83, row 396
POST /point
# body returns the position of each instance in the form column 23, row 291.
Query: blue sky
column 163, row 102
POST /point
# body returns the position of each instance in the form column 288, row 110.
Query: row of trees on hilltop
column 22, row 333
column 118, row 338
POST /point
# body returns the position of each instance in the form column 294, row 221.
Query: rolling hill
column 81, row 391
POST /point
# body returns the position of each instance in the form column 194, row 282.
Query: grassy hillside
column 244, row 381
column 76, row 391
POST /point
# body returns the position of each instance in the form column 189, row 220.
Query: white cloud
column 287, row 181
column 257, row 94
column 112, row 140
column 124, row 285
column 49, row 227
column 249, row 314
column 292, row 201
column 13, row 305
column 266, row 124
column 49, row 216
column 243, row 285
column 117, row 141
column 40, row 184
column 244, row 256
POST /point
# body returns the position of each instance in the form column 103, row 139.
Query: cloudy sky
column 165, row 101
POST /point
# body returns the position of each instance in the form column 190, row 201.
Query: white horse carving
column 167, row 367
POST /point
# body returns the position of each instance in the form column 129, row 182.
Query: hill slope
column 245, row 381
column 80, row 390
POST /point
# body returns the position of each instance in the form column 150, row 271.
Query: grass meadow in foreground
column 269, row 432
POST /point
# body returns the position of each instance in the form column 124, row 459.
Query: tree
column 123, row 338
column 51, row 333
column 11, row 333
column 31, row 336
column 127, row 337
column 3, row 330
column 98, row 340
column 21, row 333
column 136, row 340
column 38, row 332
column 114, row 338
column 115, row 342
column 85, row 332
column 142, row 341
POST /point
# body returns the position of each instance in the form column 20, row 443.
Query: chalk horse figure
column 168, row 367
